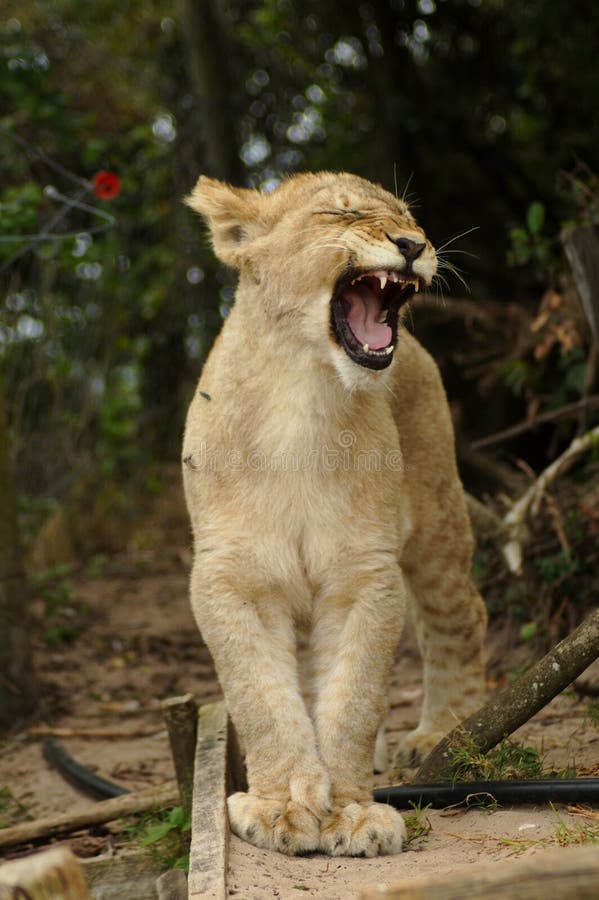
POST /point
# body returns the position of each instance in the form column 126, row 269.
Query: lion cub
column 322, row 488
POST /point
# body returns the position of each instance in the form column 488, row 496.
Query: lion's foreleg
column 250, row 635
column 358, row 622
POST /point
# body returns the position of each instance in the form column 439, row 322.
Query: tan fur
column 326, row 495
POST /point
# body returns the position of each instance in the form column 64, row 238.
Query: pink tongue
column 363, row 316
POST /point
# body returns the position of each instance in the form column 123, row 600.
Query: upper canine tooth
column 383, row 281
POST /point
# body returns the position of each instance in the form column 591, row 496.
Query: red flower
column 106, row 185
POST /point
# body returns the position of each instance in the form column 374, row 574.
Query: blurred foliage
column 560, row 580
column 12, row 811
column 482, row 109
column 171, row 833
column 529, row 244
column 52, row 591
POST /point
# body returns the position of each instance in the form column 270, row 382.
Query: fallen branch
column 101, row 733
column 570, row 409
column 484, row 519
column 518, row 702
column 515, row 520
column 561, row 876
column 106, row 811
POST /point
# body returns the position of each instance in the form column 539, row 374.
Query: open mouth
column 364, row 314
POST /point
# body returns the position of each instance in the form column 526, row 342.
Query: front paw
column 416, row 746
column 370, row 829
column 285, row 826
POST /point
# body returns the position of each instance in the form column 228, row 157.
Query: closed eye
column 354, row 213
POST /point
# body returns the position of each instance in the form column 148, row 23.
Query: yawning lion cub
column 321, row 483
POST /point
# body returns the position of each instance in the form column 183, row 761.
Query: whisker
column 442, row 280
column 455, row 271
column 448, row 266
column 463, row 252
column 456, row 237
column 441, row 294
column 404, row 196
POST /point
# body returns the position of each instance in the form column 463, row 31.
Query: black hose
column 78, row 775
column 575, row 790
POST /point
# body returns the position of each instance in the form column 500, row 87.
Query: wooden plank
column 558, row 874
column 181, row 717
column 52, row 875
column 210, row 826
column 158, row 797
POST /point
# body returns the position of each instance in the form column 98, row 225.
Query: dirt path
column 136, row 643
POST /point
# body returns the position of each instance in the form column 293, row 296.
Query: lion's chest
column 292, row 482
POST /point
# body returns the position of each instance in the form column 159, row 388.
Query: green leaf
column 518, row 236
column 535, row 218
column 176, row 817
column 528, row 631
column 182, row 862
column 156, row 833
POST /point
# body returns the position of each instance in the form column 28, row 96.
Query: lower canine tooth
column 389, row 350
column 365, row 348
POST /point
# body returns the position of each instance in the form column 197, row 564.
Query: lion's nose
column 409, row 249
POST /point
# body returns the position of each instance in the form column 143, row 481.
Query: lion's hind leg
column 450, row 620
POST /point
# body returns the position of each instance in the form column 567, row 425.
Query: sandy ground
column 136, row 644
column 453, row 843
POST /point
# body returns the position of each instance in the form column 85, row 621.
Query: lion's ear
column 233, row 216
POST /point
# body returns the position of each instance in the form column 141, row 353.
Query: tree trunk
column 210, row 58
column 17, row 688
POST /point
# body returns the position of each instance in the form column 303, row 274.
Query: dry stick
column 105, row 811
column 518, row 702
column 181, row 717
column 563, row 412
column 484, row 519
column 514, row 521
